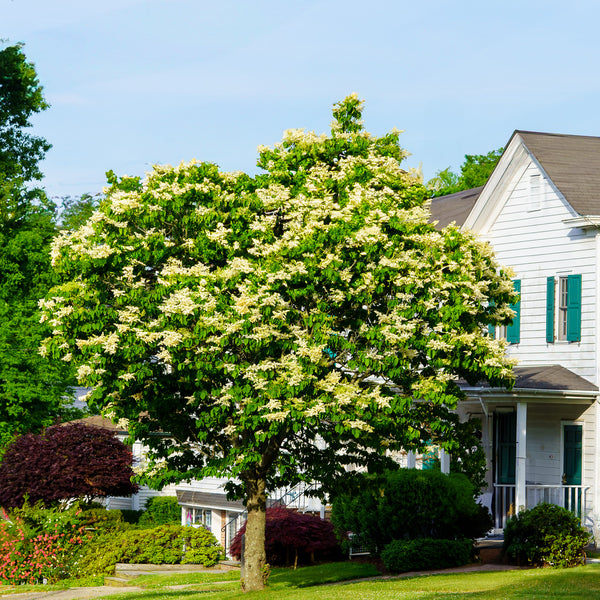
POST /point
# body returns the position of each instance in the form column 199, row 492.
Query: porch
column 541, row 441
column 571, row 497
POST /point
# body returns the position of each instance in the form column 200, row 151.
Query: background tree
column 278, row 327
column 75, row 211
column 474, row 172
column 32, row 389
column 66, row 461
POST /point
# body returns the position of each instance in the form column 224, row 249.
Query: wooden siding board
column 537, row 244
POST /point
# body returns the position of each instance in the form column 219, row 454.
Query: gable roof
column 453, row 207
column 101, row 422
column 572, row 162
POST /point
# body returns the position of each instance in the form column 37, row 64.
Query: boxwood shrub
column 166, row 544
column 161, row 510
column 409, row 504
column 545, row 535
column 423, row 554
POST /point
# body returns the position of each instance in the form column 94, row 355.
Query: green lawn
column 581, row 583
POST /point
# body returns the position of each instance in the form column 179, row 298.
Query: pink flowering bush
column 29, row 554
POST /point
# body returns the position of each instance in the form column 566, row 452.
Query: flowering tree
column 278, row 327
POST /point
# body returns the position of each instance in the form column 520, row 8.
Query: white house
column 540, row 211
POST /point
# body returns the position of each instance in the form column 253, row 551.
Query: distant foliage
column 33, row 389
column 410, row 504
column 474, row 172
column 291, row 535
column 545, row 535
column 400, row 556
column 161, row 510
column 64, row 462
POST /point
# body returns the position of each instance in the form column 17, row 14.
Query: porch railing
column 571, row 497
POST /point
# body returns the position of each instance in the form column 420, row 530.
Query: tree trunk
column 254, row 553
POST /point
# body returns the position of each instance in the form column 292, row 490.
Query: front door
column 506, row 442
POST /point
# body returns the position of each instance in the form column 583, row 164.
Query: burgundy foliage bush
column 290, row 534
column 70, row 461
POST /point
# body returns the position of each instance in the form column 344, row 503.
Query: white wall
column 537, row 244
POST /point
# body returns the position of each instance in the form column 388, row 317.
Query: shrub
column 130, row 516
column 409, row 504
column 100, row 519
column 38, row 546
column 161, row 510
column 166, row 544
column 289, row 533
column 411, row 555
column 545, row 535
column 65, row 462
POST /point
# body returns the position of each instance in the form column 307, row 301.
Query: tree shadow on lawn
column 320, row 574
column 581, row 583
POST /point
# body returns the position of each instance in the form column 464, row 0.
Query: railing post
column 444, row 462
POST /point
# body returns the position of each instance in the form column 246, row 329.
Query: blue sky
column 132, row 83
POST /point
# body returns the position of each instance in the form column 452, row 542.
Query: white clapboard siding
column 538, row 244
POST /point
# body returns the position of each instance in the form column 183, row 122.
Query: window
column 535, row 192
column 199, row 517
column 563, row 308
column 511, row 332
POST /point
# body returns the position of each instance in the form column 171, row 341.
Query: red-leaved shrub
column 292, row 534
column 70, row 461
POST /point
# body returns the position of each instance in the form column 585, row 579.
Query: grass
column 581, row 583
column 64, row 584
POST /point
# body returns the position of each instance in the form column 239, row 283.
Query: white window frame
column 562, row 302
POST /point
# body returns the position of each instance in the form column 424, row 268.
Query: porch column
column 520, row 468
column 444, row 461
column 411, row 460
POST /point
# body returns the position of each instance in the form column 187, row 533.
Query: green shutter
column 491, row 327
column 513, row 331
column 550, row 309
column 574, row 308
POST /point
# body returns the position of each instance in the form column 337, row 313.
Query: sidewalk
column 73, row 593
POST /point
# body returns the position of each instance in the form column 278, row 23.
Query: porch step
column 489, row 549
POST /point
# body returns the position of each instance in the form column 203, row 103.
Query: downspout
column 483, row 407
column 596, row 500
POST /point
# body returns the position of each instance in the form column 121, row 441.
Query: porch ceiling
column 207, row 500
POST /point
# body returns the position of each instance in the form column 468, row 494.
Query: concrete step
column 125, row 570
column 116, row 581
